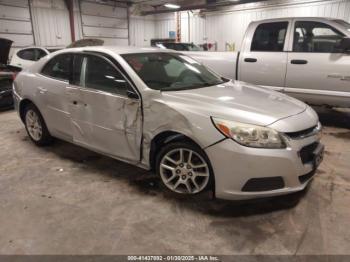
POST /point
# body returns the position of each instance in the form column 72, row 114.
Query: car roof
column 298, row 18
column 115, row 49
column 32, row 47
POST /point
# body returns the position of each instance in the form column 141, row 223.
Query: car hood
column 236, row 101
column 5, row 46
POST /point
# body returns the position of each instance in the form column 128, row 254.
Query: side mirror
column 344, row 46
column 124, row 85
column 132, row 94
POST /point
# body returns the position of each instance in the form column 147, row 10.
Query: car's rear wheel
column 36, row 127
column 184, row 168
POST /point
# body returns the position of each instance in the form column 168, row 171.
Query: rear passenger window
column 270, row 37
column 315, row 37
column 101, row 75
column 58, row 67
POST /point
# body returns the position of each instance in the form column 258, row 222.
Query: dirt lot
column 67, row 200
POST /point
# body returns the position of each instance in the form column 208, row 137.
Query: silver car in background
column 163, row 111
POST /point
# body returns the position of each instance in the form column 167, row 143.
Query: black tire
column 45, row 137
column 168, row 148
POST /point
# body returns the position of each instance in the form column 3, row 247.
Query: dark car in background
column 7, row 74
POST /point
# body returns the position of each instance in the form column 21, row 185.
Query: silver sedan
column 164, row 111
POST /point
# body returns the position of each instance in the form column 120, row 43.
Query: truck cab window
column 315, row 37
column 270, row 37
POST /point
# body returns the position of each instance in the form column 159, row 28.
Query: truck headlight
column 250, row 135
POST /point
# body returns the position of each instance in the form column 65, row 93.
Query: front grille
column 307, row 153
column 303, row 133
column 306, row 177
column 263, row 184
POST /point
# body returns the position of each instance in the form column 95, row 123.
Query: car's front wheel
column 36, row 127
column 184, row 168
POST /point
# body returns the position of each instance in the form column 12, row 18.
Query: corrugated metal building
column 46, row 22
column 15, row 22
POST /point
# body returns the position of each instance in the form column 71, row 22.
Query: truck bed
column 224, row 63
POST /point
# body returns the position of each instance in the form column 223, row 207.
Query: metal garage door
column 107, row 21
column 51, row 23
column 15, row 22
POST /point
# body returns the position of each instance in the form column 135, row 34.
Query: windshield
column 171, row 71
column 343, row 23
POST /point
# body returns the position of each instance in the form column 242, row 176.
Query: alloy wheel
column 34, row 126
column 184, row 171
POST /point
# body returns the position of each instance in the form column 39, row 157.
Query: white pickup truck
column 308, row 58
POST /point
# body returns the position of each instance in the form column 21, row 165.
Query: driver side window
column 102, row 75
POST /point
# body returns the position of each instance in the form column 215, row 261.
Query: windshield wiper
column 177, row 88
column 199, row 85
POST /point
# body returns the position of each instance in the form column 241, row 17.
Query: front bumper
column 237, row 166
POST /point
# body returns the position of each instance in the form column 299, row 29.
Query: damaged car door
column 103, row 116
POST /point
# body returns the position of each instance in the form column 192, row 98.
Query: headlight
column 250, row 135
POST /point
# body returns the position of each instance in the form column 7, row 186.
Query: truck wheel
column 36, row 127
column 184, row 168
